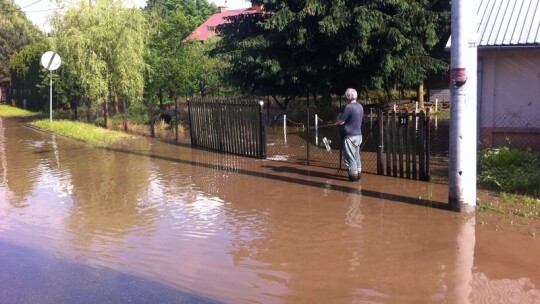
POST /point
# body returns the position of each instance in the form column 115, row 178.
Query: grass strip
column 80, row 131
column 10, row 111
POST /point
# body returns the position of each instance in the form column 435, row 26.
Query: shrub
column 99, row 122
column 511, row 170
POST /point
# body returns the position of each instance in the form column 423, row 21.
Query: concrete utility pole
column 463, row 120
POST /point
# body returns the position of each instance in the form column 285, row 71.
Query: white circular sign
column 51, row 60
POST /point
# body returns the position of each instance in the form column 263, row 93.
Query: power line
column 29, row 5
column 21, row 8
column 40, row 11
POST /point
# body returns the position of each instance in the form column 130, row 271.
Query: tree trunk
column 88, row 109
column 160, row 96
column 75, row 108
column 105, row 115
column 116, row 110
column 176, row 99
column 152, row 120
column 126, row 129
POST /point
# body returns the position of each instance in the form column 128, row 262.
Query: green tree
column 321, row 47
column 102, row 46
column 16, row 32
column 196, row 10
column 26, row 72
column 178, row 67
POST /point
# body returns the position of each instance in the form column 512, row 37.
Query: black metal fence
column 232, row 126
column 401, row 143
column 394, row 143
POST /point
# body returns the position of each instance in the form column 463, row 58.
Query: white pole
column 370, row 118
column 416, row 107
column 50, row 97
column 316, row 131
column 436, row 105
column 284, row 128
column 463, row 125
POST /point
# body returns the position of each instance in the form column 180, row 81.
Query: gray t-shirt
column 352, row 116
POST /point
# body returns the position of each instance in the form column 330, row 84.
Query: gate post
column 427, row 122
column 262, row 133
column 380, row 148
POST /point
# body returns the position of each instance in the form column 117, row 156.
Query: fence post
column 190, row 121
column 285, row 128
column 316, row 131
column 370, row 119
column 262, row 133
column 427, row 143
column 394, row 145
column 307, row 136
column 380, row 148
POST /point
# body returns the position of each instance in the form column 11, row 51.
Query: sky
column 38, row 11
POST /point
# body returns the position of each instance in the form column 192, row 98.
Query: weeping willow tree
column 16, row 32
column 102, row 46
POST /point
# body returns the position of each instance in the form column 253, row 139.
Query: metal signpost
column 51, row 61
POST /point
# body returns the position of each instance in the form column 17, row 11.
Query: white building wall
column 510, row 109
column 511, row 89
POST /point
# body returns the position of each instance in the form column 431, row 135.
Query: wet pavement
column 146, row 221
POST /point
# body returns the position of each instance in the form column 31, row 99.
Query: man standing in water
column 350, row 121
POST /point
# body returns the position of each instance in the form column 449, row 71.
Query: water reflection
column 354, row 214
column 488, row 290
column 459, row 276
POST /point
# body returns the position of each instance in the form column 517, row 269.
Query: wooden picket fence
column 404, row 144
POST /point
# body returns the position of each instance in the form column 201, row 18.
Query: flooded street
column 151, row 222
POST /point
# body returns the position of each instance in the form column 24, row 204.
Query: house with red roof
column 208, row 28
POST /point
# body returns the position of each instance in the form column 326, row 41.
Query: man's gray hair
column 351, row 94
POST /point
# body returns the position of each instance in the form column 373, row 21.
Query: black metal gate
column 232, row 126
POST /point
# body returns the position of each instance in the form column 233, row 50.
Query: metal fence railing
column 231, row 126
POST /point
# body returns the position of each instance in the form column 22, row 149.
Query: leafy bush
column 99, row 122
column 137, row 114
column 511, row 170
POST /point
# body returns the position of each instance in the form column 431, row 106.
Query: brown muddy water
column 151, row 222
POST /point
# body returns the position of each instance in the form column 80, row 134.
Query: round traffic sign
column 51, row 60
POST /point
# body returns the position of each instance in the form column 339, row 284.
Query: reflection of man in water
column 354, row 214
column 354, row 219
column 351, row 122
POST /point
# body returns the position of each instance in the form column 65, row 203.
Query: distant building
column 208, row 28
column 509, row 73
column 508, row 42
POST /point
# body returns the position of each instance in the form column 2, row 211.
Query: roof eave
column 508, row 47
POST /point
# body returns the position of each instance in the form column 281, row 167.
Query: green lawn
column 80, row 131
column 9, row 111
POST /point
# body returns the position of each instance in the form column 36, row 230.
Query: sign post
column 51, row 61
